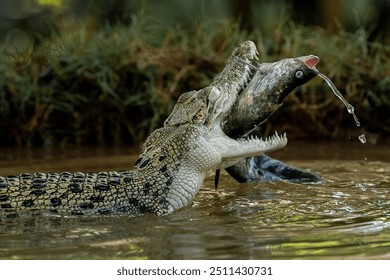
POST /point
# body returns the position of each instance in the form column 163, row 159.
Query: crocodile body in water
column 197, row 139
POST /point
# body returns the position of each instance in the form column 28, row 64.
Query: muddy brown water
column 347, row 217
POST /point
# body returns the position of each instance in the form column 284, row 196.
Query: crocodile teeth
column 270, row 140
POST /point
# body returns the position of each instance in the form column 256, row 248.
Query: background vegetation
column 113, row 76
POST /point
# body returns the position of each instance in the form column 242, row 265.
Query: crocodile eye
column 299, row 74
column 214, row 95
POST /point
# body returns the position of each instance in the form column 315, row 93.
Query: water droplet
column 350, row 108
column 356, row 120
column 362, row 138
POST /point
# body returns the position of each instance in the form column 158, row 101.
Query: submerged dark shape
column 264, row 168
column 265, row 93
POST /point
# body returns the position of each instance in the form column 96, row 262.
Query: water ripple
column 346, row 217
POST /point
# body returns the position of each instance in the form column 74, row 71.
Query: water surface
column 347, row 217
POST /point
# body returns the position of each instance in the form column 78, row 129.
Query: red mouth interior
column 311, row 62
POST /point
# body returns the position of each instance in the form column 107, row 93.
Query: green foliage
column 117, row 84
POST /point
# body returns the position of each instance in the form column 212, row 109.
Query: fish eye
column 299, row 74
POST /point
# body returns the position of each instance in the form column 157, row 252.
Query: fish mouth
column 311, row 61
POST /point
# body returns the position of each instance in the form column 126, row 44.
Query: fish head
column 265, row 92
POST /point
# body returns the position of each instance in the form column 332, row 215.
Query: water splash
column 350, row 108
column 336, row 92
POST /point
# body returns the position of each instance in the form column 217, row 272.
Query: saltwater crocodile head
column 211, row 105
column 192, row 139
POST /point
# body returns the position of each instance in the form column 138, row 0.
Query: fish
column 263, row 95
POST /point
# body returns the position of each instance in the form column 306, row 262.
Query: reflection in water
column 347, row 217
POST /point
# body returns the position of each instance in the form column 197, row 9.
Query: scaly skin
column 171, row 168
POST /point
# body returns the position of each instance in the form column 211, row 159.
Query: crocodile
column 172, row 166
